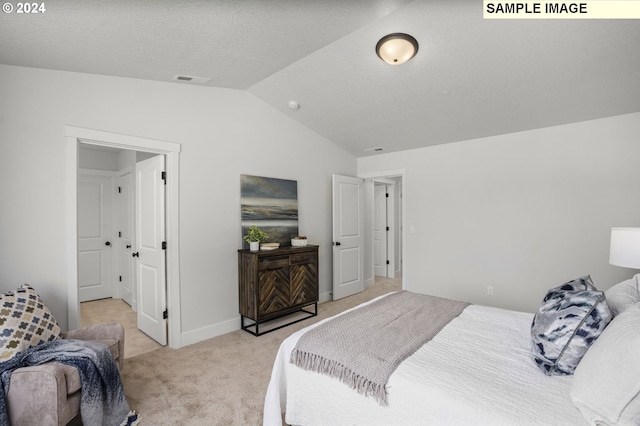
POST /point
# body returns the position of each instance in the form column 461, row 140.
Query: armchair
column 49, row 394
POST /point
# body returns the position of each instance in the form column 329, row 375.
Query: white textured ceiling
column 501, row 76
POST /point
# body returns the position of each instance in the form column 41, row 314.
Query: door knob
column 107, row 243
column 128, row 245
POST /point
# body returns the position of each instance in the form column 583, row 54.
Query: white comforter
column 477, row 371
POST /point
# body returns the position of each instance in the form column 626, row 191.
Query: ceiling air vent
column 191, row 79
column 376, row 149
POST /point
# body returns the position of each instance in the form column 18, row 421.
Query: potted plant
column 254, row 237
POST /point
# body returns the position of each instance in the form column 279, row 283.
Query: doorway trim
column 75, row 135
column 387, row 174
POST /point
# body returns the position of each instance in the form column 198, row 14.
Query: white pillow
column 624, row 294
column 606, row 383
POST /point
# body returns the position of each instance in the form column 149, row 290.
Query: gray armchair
column 49, row 394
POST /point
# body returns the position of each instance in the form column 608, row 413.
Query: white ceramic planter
column 298, row 243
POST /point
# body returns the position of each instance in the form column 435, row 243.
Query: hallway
column 116, row 310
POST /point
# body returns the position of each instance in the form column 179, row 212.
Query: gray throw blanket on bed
column 363, row 347
column 102, row 400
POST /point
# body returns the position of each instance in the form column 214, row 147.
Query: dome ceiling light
column 397, row 48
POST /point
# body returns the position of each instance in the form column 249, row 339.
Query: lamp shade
column 397, row 48
column 625, row 247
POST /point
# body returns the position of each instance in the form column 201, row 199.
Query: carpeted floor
column 107, row 310
column 220, row 381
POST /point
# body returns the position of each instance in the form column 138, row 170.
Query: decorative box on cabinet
column 277, row 283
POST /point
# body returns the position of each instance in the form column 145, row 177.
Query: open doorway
column 107, row 278
column 76, row 138
column 387, row 226
column 384, row 235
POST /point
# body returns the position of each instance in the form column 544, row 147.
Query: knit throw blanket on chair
column 363, row 347
column 102, row 400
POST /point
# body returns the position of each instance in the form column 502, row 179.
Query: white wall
column 224, row 133
column 521, row 212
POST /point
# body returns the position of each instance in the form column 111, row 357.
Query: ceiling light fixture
column 397, row 48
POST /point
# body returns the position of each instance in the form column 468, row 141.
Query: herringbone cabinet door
column 274, row 290
column 304, row 283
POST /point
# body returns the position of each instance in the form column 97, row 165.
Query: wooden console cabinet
column 277, row 283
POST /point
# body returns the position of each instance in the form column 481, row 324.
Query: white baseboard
column 369, row 282
column 210, row 331
column 325, row 297
column 214, row 330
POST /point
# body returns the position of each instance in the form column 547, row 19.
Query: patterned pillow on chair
column 570, row 319
column 24, row 322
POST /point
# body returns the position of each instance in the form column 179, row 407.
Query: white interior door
column 150, row 236
column 348, row 236
column 380, row 256
column 127, row 277
column 95, row 230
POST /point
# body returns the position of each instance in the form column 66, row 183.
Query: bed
column 489, row 380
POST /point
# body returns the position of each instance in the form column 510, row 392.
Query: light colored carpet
column 117, row 310
column 220, row 381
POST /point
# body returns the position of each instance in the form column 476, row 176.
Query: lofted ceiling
column 471, row 77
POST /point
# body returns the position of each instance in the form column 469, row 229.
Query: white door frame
column 75, row 135
column 387, row 174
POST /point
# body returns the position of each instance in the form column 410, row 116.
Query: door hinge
column 165, row 314
column 164, row 245
column 119, row 190
column 387, row 228
column 120, row 278
column 387, row 262
column 386, row 195
column 119, row 234
column 164, row 177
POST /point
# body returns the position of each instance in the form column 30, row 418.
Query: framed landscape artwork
column 271, row 205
